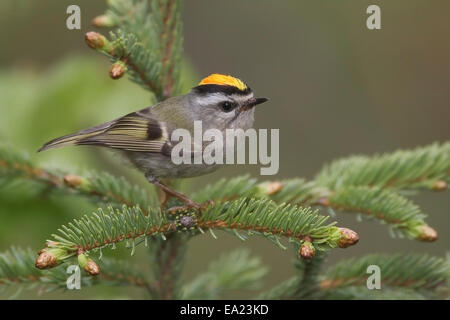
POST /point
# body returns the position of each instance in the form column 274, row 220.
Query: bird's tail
column 74, row 138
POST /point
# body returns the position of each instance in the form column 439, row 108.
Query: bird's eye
column 227, row 106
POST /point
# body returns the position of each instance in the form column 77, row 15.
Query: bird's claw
column 191, row 205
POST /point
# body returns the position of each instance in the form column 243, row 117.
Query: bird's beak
column 253, row 102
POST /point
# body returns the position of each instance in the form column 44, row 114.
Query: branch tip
column 103, row 21
column 273, row 188
column 49, row 258
column 325, row 202
column 307, row 250
column 98, row 42
column 72, row 180
column 440, row 185
column 427, row 234
column 117, row 70
column 348, row 238
column 88, row 265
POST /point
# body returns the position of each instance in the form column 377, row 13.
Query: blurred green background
column 336, row 89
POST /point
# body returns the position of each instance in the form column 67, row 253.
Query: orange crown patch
column 224, row 80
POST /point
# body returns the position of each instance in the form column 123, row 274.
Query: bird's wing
column 137, row 131
column 133, row 132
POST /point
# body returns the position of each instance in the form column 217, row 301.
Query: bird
column 144, row 137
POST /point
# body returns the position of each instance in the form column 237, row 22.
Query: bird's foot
column 191, row 205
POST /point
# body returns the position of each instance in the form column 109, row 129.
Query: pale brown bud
column 440, row 185
column 103, row 21
column 94, row 40
column 323, row 202
column 91, row 268
column 117, row 70
column 98, row 42
column 427, row 234
column 88, row 265
column 348, row 238
column 50, row 257
column 46, row 259
column 72, row 180
column 273, row 188
column 307, row 250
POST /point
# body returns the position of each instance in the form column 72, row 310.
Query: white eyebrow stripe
column 240, row 97
column 215, row 98
column 211, row 99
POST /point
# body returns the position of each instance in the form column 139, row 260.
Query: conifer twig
column 413, row 271
column 98, row 187
column 147, row 40
column 261, row 217
column 384, row 205
column 16, row 268
column 402, row 276
column 422, row 168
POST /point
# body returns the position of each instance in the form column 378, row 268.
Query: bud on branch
column 426, row 233
column 307, row 250
column 98, row 42
column 103, row 21
column 50, row 257
column 88, row 265
column 440, row 185
column 117, row 70
column 348, row 238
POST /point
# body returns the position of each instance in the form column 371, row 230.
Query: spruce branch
column 237, row 270
column 295, row 191
column 403, row 276
column 422, row 168
column 14, row 164
column 264, row 217
column 146, row 42
column 16, row 266
column 142, row 64
column 385, row 205
column 367, row 185
column 421, row 273
column 97, row 186
column 102, row 229
column 115, row 190
column 16, row 269
column 227, row 189
column 256, row 217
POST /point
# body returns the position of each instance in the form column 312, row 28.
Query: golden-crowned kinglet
column 144, row 137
